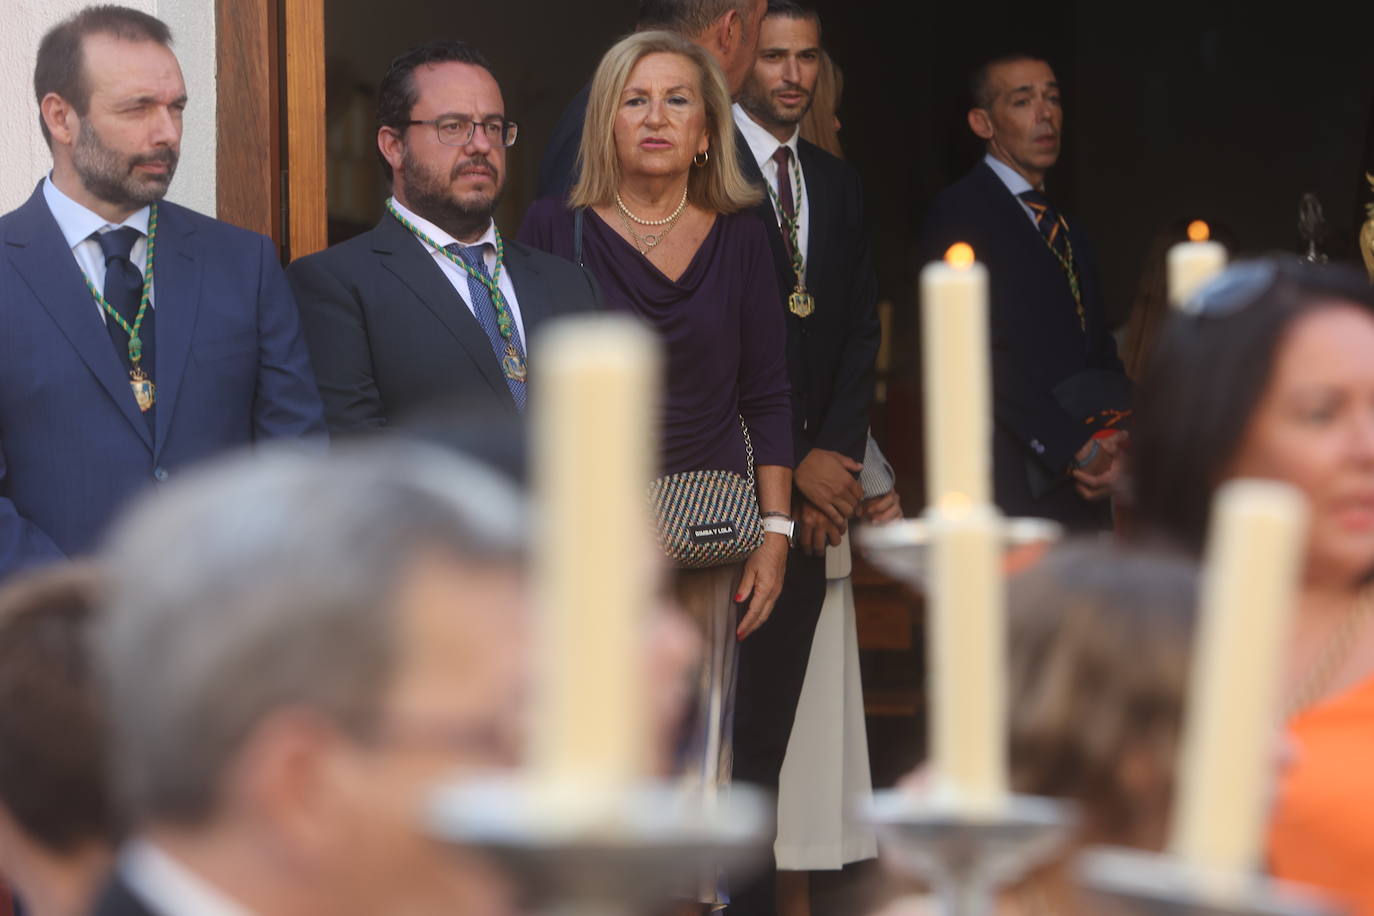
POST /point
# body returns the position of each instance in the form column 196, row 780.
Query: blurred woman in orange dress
column 1269, row 372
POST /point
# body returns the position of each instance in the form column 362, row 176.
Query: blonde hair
column 1100, row 642
column 818, row 125
column 718, row 186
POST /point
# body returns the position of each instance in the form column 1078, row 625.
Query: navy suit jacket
column 1037, row 340
column 830, row 354
column 116, row 899
column 232, row 369
column 558, row 166
column 390, row 336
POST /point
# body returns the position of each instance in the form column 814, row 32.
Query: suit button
column 160, row 475
column 1039, row 449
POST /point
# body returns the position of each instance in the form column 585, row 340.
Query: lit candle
column 1194, row 262
column 966, row 656
column 954, row 309
column 595, row 385
column 1233, row 718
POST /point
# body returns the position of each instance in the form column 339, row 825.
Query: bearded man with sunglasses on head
column 433, row 305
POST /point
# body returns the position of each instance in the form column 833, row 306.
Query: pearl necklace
column 671, row 218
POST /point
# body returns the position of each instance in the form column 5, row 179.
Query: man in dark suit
column 298, row 652
column 139, row 336
column 433, row 304
column 727, row 29
column 1059, row 390
column 814, row 210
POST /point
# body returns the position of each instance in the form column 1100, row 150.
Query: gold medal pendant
column 145, row 392
column 512, row 364
column 800, row 303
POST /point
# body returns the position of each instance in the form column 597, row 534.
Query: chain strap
column 748, row 452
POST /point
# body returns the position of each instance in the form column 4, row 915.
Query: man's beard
column 112, row 178
column 762, row 107
column 430, row 194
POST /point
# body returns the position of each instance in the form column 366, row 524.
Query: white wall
column 24, row 157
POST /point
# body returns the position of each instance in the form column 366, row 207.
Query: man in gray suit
column 433, row 304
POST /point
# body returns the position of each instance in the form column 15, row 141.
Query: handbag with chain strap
column 703, row 518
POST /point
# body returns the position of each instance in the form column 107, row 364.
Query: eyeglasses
column 456, row 131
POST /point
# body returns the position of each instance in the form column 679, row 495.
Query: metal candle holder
column 902, row 549
column 1134, row 883
column 966, row 858
column 574, row 851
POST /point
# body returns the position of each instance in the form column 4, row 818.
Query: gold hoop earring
column 700, row 159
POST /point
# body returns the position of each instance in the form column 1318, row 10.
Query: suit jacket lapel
column 820, row 204
column 531, row 292
column 407, row 258
column 176, row 302
column 39, row 252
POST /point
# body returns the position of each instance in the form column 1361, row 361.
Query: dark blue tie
column 1047, row 220
column 123, row 290
column 485, row 310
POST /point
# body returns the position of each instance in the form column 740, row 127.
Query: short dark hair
column 1201, row 387
column 397, row 95
column 53, row 777
column 980, row 93
column 688, row 18
column 61, row 66
column 791, row 9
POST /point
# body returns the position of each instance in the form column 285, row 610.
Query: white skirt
column 825, row 775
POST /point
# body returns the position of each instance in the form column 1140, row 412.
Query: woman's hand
column 761, row 582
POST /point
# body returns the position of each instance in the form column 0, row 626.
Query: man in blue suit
column 1060, row 394
column 139, row 336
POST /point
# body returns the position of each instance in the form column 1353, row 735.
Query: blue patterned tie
column 123, row 290
column 485, row 310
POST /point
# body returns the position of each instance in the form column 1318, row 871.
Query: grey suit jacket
column 389, row 336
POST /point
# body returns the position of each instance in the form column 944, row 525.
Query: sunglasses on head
column 1247, row 282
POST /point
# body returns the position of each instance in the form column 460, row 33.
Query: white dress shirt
column 763, row 145
column 1016, row 183
column 459, row 277
column 168, row 888
column 78, row 223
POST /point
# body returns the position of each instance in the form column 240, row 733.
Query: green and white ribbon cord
column 1067, row 262
column 792, row 224
column 504, row 322
column 135, row 342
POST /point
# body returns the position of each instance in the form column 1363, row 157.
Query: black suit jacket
column 118, row 900
column 389, row 335
column 830, row 354
column 558, row 167
column 1037, row 340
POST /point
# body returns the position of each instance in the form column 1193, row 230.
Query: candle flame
column 1198, row 231
column 960, row 255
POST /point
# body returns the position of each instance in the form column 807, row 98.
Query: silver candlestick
column 578, row 852
column 902, row 549
column 1134, row 883
column 967, row 858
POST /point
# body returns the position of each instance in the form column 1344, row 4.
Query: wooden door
column 271, row 159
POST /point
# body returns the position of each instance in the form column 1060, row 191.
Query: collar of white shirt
column 77, row 222
column 169, row 888
column 1016, row 182
column 443, row 238
column 761, row 143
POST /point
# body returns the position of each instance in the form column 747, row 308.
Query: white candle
column 954, row 310
column 966, row 656
column 1233, row 718
column 1193, row 263
column 595, row 386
